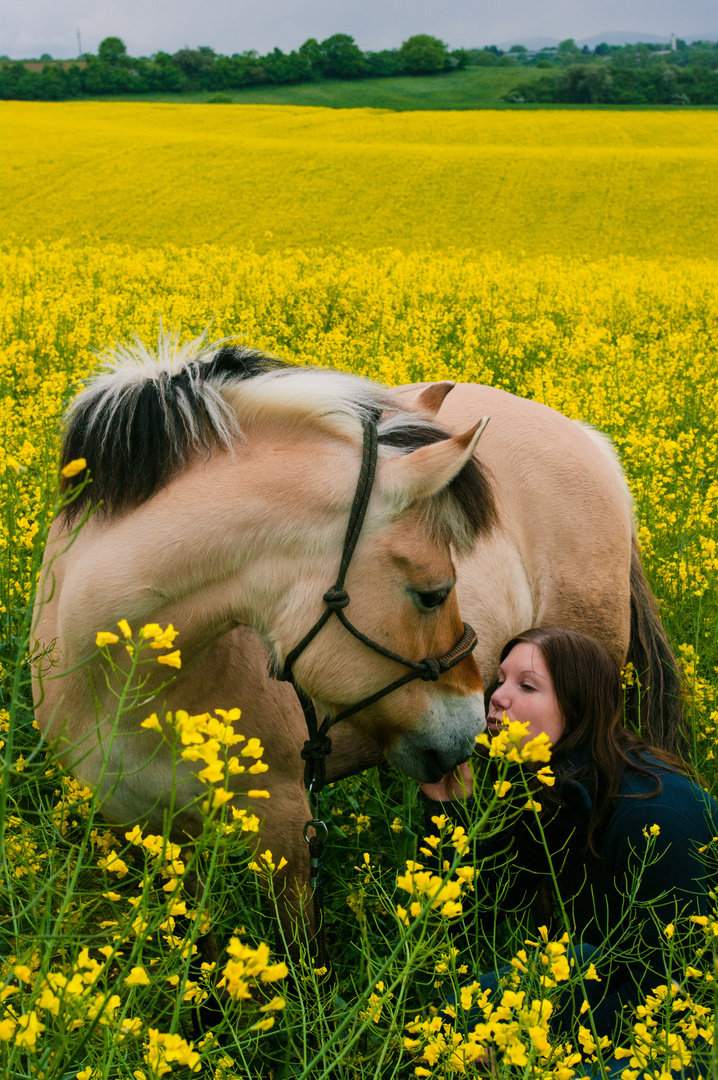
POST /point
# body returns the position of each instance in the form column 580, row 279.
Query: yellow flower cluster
column 427, row 889
column 550, row 959
column 248, row 968
column 166, row 857
column 151, row 633
column 514, row 1030
column 265, row 864
column 668, row 1026
column 207, row 739
column 65, row 999
column 513, row 744
column 162, row 1051
column 376, row 1003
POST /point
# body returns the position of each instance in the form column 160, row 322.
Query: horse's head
column 400, row 585
column 257, row 530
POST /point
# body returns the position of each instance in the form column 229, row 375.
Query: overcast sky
column 31, row 27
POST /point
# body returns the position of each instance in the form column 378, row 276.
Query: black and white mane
column 141, row 419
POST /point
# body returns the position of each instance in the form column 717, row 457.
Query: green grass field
column 474, row 88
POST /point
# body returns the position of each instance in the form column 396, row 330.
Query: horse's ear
column 427, row 471
column 431, row 398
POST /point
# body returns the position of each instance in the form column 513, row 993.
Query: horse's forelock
column 140, row 420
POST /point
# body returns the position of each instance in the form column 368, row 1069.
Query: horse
column 223, row 480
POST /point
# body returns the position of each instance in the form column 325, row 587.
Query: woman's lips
column 495, row 723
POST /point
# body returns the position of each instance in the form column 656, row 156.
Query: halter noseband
column 318, row 745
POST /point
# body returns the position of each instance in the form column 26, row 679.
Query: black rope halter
column 318, row 745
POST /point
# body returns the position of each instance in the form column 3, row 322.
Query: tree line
column 627, row 75
column 616, row 75
column 113, row 71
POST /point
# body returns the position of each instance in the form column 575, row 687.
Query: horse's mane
column 141, row 419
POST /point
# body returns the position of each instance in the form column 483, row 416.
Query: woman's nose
column 500, row 698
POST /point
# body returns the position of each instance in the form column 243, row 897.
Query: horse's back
column 564, row 508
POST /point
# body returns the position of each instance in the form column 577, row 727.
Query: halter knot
column 336, row 598
column 316, row 748
column 432, row 669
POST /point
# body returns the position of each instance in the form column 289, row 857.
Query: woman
column 615, row 800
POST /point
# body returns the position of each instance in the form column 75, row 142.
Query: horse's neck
column 495, row 596
column 217, row 548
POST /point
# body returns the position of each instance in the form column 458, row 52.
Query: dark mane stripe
column 136, row 436
column 140, row 420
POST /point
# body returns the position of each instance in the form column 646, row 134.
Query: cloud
column 38, row 26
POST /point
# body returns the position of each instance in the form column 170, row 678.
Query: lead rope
column 318, row 745
column 314, row 755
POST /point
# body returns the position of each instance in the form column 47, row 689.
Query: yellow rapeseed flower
column 30, row 1028
column 220, row 797
column 73, row 468
column 171, row 659
column 137, row 977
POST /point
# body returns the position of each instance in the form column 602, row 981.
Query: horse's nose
column 441, row 740
column 440, row 762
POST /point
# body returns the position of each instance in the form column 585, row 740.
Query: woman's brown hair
column 588, row 685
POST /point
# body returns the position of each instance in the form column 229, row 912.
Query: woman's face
column 525, row 693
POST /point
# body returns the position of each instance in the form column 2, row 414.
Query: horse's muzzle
column 427, row 755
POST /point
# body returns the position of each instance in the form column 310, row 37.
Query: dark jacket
column 610, row 902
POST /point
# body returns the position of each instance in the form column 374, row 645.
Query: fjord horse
column 225, row 481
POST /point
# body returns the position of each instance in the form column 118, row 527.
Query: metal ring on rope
column 316, row 824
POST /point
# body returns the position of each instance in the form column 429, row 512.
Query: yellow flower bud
column 171, row 659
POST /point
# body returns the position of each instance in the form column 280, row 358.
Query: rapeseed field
column 566, row 257
column 570, row 183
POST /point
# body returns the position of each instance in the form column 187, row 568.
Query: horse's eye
column 432, row 599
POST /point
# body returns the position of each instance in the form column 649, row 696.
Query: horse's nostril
column 434, row 767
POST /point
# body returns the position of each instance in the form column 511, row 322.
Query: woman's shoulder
column 672, row 797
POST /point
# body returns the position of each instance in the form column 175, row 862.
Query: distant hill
column 625, row 37
column 611, row 37
column 619, row 37
column 529, row 42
